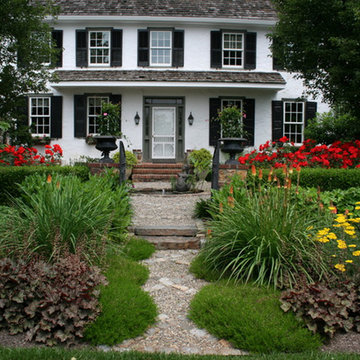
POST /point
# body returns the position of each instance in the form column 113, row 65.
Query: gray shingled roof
column 236, row 9
column 171, row 76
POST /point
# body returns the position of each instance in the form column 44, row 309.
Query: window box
column 38, row 140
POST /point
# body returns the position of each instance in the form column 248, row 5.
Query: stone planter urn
column 105, row 144
column 233, row 146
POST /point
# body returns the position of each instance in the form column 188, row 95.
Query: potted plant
column 108, row 130
column 233, row 135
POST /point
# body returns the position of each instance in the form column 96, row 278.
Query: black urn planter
column 232, row 146
column 105, row 144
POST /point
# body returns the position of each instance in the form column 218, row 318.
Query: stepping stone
column 166, row 230
column 174, row 242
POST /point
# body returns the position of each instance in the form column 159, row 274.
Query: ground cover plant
column 127, row 310
column 250, row 318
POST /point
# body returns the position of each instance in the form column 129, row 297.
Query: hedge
column 326, row 179
column 10, row 176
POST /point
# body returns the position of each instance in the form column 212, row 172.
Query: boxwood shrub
column 326, row 179
column 10, row 176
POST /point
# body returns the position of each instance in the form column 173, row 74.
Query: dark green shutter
column 57, row 37
column 81, row 48
column 143, row 47
column 310, row 111
column 250, row 51
column 249, row 120
column 116, row 99
column 22, row 110
column 277, row 115
column 178, row 48
column 216, row 49
column 56, row 117
column 80, row 116
column 116, row 47
column 214, row 125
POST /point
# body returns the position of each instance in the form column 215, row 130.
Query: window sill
column 45, row 140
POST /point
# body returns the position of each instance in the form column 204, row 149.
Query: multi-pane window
column 294, row 121
column 40, row 115
column 231, row 102
column 99, row 48
column 93, row 111
column 160, row 48
column 233, row 49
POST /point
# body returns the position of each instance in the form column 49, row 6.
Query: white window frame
column 37, row 116
column 99, row 48
column 169, row 64
column 88, row 115
column 242, row 50
column 232, row 100
column 294, row 123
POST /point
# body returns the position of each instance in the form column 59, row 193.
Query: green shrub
column 127, row 310
column 324, row 309
column 202, row 209
column 138, row 249
column 61, row 215
column 201, row 161
column 250, row 318
column 51, row 303
column 11, row 176
column 131, row 159
column 263, row 239
column 329, row 127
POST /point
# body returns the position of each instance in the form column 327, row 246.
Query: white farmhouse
column 166, row 61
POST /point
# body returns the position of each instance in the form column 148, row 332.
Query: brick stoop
column 170, row 237
column 146, row 172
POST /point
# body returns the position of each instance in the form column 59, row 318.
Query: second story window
column 93, row 111
column 40, row 115
column 99, row 48
column 160, row 48
column 233, row 49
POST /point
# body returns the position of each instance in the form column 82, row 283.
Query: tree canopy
column 320, row 40
column 25, row 52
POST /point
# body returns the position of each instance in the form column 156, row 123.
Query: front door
column 163, row 132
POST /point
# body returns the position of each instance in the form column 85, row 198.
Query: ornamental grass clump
column 60, row 215
column 263, row 239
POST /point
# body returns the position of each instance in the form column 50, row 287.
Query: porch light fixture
column 137, row 119
column 190, row 119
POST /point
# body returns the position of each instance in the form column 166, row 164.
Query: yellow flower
column 323, row 232
column 350, row 232
column 357, row 203
column 337, row 225
column 323, row 240
column 357, row 207
column 332, row 236
column 356, row 253
column 332, row 208
column 348, row 261
column 340, row 267
column 333, row 255
column 352, row 245
column 341, row 244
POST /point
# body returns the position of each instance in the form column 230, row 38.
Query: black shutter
column 116, row 99
column 250, row 51
column 80, row 115
column 178, row 48
column 56, row 117
column 277, row 120
column 116, row 47
column 81, row 48
column 249, row 120
column 214, row 125
column 22, row 111
column 57, row 37
column 143, row 47
column 216, row 49
column 310, row 111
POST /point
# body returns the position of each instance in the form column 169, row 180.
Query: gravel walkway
column 170, row 283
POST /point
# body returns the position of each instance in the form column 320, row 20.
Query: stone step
column 159, row 166
column 174, row 242
column 152, row 177
column 168, row 231
column 172, row 171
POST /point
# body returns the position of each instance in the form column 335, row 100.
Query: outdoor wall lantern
column 137, row 119
column 190, row 119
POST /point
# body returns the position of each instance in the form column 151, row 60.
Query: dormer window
column 233, row 49
column 99, row 48
column 160, row 48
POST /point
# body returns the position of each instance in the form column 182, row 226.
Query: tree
column 319, row 39
column 25, row 49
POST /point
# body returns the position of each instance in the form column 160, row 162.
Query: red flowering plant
column 282, row 153
column 22, row 156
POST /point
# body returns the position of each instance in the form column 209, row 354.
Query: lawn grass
column 138, row 249
column 250, row 318
column 127, row 310
column 61, row 354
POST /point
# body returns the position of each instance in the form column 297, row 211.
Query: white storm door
column 163, row 132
